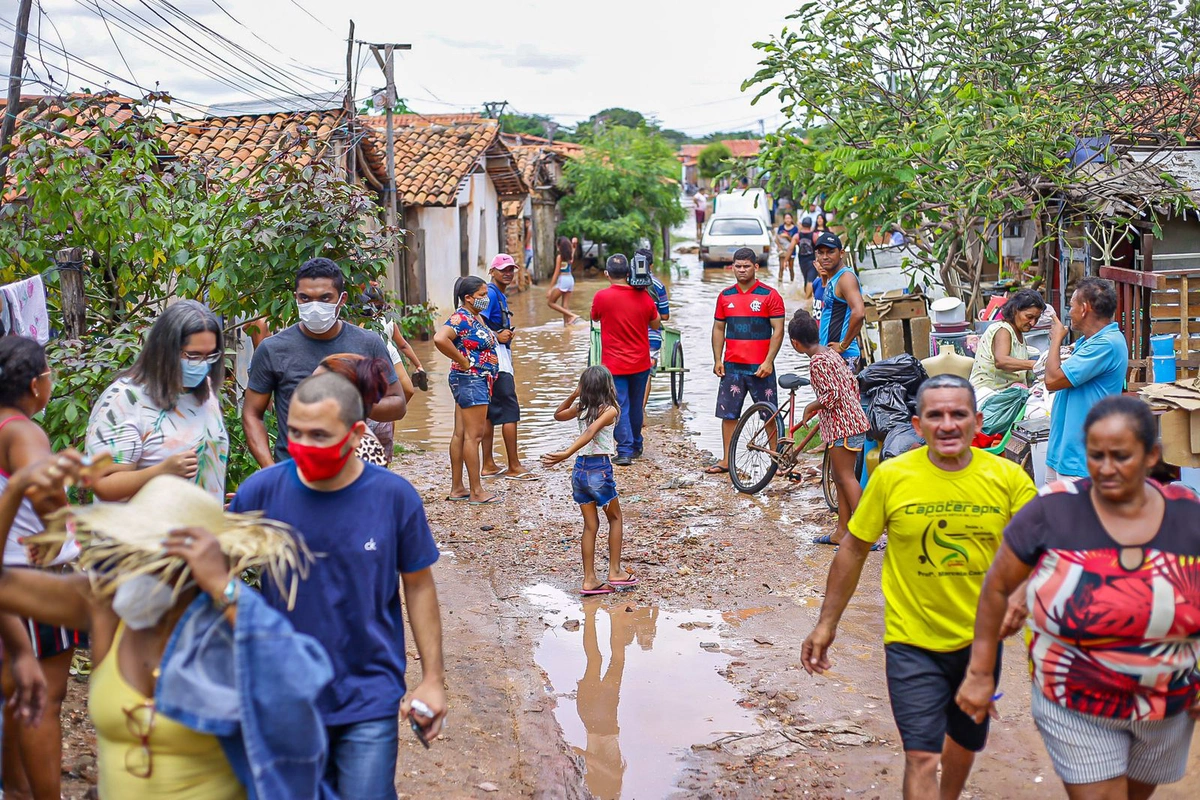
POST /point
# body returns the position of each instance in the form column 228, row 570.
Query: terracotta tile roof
column 47, row 117
column 44, row 116
column 739, row 148
column 433, row 160
column 417, row 120
column 568, row 149
column 245, row 143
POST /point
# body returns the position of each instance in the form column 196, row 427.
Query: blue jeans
column 362, row 758
column 630, row 391
column 469, row 390
column 592, row 481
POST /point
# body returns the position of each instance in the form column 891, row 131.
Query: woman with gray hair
column 162, row 416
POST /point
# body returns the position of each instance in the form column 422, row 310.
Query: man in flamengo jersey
column 747, row 333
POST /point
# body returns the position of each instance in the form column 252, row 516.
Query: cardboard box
column 906, row 307
column 921, row 328
column 1178, row 431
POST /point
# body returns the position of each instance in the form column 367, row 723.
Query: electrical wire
column 313, row 70
column 199, row 62
column 310, row 14
column 114, row 40
column 251, row 59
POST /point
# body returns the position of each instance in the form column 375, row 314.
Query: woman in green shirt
column 1002, row 357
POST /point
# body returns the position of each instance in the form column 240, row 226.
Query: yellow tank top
column 184, row 765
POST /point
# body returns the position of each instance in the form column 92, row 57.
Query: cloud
column 543, row 62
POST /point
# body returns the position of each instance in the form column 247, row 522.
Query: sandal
column 825, row 538
column 716, row 469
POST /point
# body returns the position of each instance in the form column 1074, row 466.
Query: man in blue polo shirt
column 1095, row 370
column 368, row 527
column 747, row 333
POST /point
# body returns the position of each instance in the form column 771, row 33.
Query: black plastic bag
column 888, row 410
column 903, row 370
column 900, row 441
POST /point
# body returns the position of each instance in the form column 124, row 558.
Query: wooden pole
column 70, row 283
column 387, row 64
column 351, row 110
column 16, row 67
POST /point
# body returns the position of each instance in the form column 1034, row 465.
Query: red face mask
column 320, row 463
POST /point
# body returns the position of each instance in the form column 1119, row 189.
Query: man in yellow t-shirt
column 945, row 507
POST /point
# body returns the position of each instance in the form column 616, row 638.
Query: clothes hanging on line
column 24, row 312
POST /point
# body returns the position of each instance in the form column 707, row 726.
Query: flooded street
column 609, row 664
column 550, row 357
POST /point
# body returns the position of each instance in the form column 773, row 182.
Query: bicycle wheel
column 828, row 486
column 751, row 448
column 677, row 374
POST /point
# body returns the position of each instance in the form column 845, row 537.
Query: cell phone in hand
column 418, row 708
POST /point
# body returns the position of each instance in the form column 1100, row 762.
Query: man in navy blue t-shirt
column 504, row 410
column 368, row 528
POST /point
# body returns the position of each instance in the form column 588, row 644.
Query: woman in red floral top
column 471, row 347
column 842, row 423
column 1113, row 569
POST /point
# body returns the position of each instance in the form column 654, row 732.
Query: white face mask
column 318, row 317
column 141, row 602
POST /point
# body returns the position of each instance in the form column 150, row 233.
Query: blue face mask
column 193, row 374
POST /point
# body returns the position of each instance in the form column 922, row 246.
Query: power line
column 313, row 18
column 313, row 70
column 110, row 36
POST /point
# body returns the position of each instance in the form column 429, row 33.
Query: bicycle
column 761, row 446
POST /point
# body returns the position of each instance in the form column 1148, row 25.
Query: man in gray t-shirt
column 290, row 356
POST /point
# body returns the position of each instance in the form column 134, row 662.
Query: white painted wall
column 441, row 255
column 483, row 234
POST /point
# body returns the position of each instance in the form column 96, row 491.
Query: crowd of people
column 206, row 685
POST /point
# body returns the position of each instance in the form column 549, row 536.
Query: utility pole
column 15, row 69
column 489, row 109
column 384, row 57
column 351, row 109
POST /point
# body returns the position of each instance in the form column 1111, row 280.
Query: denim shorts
column 469, row 390
column 854, row 442
column 592, row 481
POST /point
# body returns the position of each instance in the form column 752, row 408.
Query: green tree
column 529, row 124
column 713, row 159
column 951, row 118
column 622, row 189
column 153, row 228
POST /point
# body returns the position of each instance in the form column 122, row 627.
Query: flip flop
column 459, row 499
column 632, row 581
column 825, row 538
column 490, row 501
column 603, row 588
column 524, row 477
column 716, row 469
column 491, row 474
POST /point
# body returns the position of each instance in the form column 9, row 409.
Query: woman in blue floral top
column 471, row 347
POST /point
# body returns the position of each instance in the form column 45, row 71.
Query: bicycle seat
column 792, row 381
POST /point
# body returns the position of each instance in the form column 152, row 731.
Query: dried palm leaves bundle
column 121, row 541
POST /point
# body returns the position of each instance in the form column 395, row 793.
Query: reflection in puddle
column 635, row 689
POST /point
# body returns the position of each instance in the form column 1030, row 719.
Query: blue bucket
column 1162, row 344
column 1163, row 368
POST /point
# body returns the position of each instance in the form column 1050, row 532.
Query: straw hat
column 120, row 541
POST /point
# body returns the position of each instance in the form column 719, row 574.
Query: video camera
column 639, row 271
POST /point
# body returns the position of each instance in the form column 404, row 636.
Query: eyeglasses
column 197, row 360
column 139, row 760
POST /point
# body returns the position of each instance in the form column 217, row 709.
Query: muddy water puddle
column 636, row 686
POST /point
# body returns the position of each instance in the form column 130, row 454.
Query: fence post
column 70, row 283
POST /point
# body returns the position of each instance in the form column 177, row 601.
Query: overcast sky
column 682, row 62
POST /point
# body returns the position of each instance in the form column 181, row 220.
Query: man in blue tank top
column 843, row 312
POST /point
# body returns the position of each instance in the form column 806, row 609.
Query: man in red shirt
column 747, row 334
column 625, row 315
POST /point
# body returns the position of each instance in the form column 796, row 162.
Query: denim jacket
column 254, row 687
